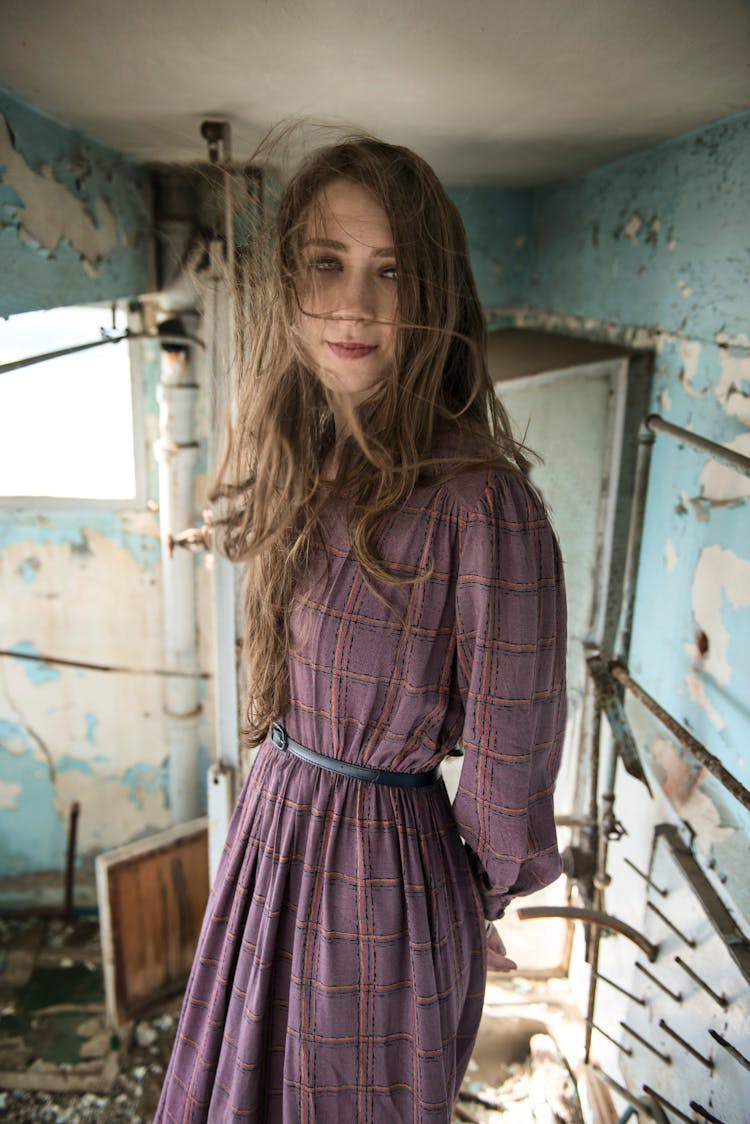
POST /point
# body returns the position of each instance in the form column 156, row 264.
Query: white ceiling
column 493, row 92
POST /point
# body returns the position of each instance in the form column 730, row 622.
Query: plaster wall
column 74, row 215
column 654, row 252
column 81, row 583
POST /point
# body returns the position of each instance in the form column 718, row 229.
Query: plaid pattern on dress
column 341, row 967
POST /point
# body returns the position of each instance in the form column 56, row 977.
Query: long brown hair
column 270, row 482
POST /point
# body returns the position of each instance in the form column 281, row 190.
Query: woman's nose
column 356, row 296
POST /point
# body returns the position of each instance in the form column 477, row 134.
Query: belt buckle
column 279, row 736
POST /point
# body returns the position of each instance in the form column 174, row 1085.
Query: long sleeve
column 510, row 668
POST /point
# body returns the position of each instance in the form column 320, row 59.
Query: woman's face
column 348, row 289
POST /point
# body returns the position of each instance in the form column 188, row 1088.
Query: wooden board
column 152, row 897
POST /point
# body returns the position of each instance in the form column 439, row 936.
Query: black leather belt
column 280, row 738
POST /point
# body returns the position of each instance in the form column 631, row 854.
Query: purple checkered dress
column 341, row 967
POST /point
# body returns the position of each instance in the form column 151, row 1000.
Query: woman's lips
column 351, row 350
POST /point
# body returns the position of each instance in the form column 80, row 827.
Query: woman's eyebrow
column 330, row 244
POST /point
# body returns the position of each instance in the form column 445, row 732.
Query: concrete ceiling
column 491, row 92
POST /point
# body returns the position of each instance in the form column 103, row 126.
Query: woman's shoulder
column 498, row 488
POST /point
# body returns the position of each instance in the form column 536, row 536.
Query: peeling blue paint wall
column 78, row 583
column 661, row 238
column 499, row 233
column 660, row 243
column 93, row 198
column 653, row 251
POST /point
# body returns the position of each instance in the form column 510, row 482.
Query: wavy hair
column 270, row 488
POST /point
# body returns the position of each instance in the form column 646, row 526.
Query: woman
column 404, row 591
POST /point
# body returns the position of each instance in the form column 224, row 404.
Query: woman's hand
column 497, row 961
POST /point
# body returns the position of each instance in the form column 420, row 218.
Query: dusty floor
column 59, row 1063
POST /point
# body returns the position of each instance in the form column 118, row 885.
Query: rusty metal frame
column 720, row 453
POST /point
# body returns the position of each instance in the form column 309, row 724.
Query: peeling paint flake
column 721, row 485
column 719, row 574
column 631, row 227
column 670, row 557
column 51, row 213
column 732, row 391
column 687, row 788
column 9, row 793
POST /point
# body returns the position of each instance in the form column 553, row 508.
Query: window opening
column 67, row 424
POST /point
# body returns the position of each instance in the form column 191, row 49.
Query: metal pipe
column 594, row 742
column 683, row 736
column 221, row 373
column 176, row 451
column 30, row 360
column 591, row 917
column 719, row 453
column 635, row 535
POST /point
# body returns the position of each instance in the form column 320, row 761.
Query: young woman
column 404, row 593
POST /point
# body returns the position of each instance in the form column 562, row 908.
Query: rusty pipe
column 592, row 917
column 720, row 453
column 683, row 736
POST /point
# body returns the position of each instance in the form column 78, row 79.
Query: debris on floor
column 59, row 1064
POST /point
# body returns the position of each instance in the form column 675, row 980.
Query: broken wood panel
column 152, row 897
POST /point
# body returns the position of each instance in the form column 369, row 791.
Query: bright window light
column 66, row 425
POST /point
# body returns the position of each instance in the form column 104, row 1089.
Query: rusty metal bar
column 613, row 708
column 31, row 360
column 646, row 878
column 714, row 908
column 646, row 440
column 667, row 1104
column 705, row 1113
column 618, row 987
column 592, row 917
column 621, row 1090
column 645, row 1042
column 707, row 1062
column 600, row 846
column 719, row 453
column 720, row 999
column 676, row 995
column 688, row 940
column 730, row 1049
column 683, row 736
column 70, row 858
column 619, row 1045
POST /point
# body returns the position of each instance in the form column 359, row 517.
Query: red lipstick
column 351, row 349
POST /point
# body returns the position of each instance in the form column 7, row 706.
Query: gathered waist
column 282, row 740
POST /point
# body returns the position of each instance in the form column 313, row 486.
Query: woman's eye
column 390, row 272
column 324, row 265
